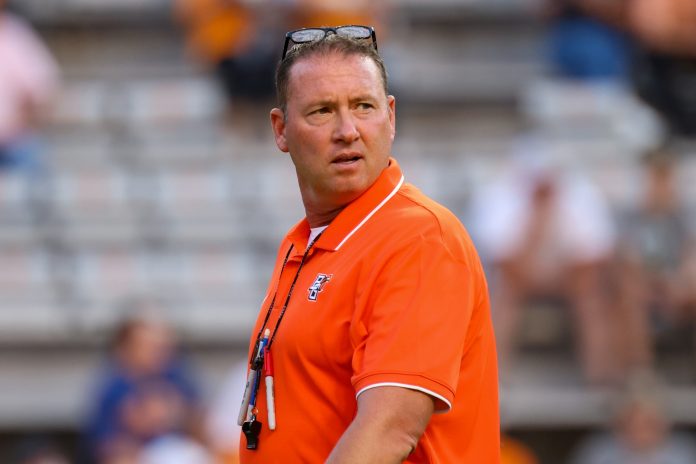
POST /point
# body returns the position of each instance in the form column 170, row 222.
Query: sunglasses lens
column 307, row 35
column 313, row 34
column 354, row 32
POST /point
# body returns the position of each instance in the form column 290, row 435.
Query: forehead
column 336, row 72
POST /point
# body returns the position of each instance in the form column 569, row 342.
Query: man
column 377, row 314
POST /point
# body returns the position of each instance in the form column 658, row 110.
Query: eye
column 364, row 106
column 319, row 115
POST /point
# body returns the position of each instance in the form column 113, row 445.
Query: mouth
column 347, row 158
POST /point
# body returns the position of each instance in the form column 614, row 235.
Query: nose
column 346, row 130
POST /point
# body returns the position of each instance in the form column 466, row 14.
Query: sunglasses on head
column 312, row 34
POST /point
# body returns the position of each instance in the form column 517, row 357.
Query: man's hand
column 387, row 427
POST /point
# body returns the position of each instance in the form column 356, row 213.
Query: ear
column 391, row 102
column 278, row 125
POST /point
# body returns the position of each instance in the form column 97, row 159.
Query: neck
column 320, row 211
column 321, row 218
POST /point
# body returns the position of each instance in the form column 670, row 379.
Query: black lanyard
column 250, row 426
column 287, row 299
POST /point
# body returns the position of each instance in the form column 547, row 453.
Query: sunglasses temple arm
column 285, row 48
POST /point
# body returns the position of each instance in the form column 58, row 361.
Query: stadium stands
column 146, row 192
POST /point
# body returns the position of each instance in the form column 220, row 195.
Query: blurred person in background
column 667, row 26
column 588, row 40
column 236, row 39
column 515, row 451
column 646, row 44
column 175, row 450
column 588, row 84
column 222, row 430
column 144, row 393
column 657, row 261
column 547, row 233
column 641, row 433
column 318, row 13
column 28, row 81
column 665, row 69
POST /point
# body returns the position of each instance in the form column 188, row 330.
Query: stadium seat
column 94, row 206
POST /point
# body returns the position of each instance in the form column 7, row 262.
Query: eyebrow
column 332, row 101
column 323, row 102
column 363, row 97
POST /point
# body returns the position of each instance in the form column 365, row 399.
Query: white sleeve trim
column 410, row 387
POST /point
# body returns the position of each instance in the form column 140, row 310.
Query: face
column 148, row 348
column 338, row 129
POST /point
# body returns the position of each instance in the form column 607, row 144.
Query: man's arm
column 387, row 427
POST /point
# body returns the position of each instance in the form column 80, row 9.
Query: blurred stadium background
column 147, row 189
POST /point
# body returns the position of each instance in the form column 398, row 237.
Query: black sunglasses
column 312, row 34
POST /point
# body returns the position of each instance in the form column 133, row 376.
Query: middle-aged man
column 374, row 340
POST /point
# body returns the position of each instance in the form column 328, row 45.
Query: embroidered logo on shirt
column 318, row 286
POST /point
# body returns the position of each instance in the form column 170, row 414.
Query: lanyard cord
column 287, row 299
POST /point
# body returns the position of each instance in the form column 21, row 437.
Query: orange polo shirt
column 392, row 293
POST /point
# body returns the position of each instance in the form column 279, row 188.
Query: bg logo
column 318, row 286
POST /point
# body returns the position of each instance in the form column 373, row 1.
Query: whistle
column 251, row 430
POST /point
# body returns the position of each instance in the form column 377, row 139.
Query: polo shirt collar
column 353, row 216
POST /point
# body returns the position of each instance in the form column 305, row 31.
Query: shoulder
column 415, row 217
column 16, row 27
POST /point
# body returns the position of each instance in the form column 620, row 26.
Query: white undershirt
column 313, row 232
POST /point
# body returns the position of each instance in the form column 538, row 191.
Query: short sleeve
column 415, row 320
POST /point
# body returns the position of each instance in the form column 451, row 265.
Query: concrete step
column 50, row 388
column 547, row 390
